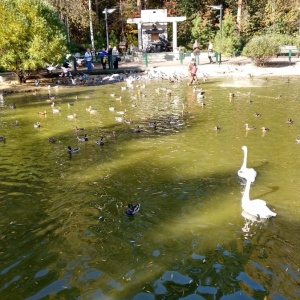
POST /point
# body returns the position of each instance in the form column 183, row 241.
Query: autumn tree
column 30, row 36
column 282, row 16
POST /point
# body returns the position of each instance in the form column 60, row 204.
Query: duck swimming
column 37, row 125
column 79, row 129
column 289, row 121
column 83, row 139
column 73, row 150
column 100, row 142
column 264, row 129
column 137, row 129
column 2, row 139
column 15, row 123
column 56, row 110
column 132, row 209
column 71, row 116
column 52, row 139
column 43, row 113
column 152, row 124
column 249, row 127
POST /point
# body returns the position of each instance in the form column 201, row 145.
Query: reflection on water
column 64, row 232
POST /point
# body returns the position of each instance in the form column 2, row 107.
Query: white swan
column 256, row 207
column 245, row 172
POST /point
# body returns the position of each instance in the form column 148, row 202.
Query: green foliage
column 281, row 16
column 31, row 35
column 230, row 41
column 262, row 48
column 113, row 40
column 283, row 39
column 201, row 30
column 297, row 41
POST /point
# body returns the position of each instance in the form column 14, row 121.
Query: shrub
column 262, row 48
column 297, row 42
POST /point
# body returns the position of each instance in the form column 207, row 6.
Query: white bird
column 256, row 207
column 122, row 112
column 244, row 172
column 119, row 119
column 200, row 95
column 56, row 110
column 249, row 127
column 71, row 116
column 51, row 68
column 93, row 112
column 196, row 90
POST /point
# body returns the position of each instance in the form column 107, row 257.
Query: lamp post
column 91, row 25
column 107, row 11
column 219, row 7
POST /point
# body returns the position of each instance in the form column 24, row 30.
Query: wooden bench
column 289, row 51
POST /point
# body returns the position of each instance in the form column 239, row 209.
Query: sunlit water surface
column 63, row 229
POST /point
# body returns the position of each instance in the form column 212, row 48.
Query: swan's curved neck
column 244, row 165
column 246, row 197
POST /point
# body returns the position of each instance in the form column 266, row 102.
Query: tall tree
column 75, row 15
column 282, row 16
column 31, row 35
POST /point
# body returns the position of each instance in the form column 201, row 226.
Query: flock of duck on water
column 257, row 208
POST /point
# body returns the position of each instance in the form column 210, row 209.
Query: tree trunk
column 97, row 9
column 146, row 2
column 138, row 4
column 239, row 15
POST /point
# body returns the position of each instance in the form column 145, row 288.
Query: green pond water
column 64, row 233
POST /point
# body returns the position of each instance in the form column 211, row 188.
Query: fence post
column 290, row 55
column 181, row 57
column 146, row 59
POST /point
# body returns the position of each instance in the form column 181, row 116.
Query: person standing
column 88, row 59
column 210, row 52
column 115, row 54
column 109, row 55
column 196, row 51
column 103, row 58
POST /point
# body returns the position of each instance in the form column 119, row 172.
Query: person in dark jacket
column 109, row 55
column 103, row 58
